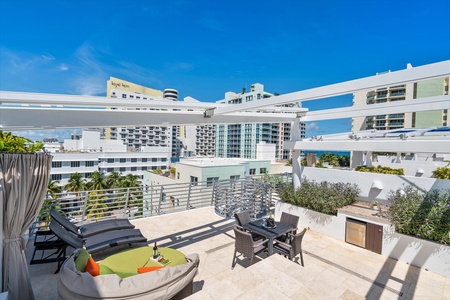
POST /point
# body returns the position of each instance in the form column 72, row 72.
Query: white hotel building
column 91, row 153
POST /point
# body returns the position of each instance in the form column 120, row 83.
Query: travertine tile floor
column 333, row 269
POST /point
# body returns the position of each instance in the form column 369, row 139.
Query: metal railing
column 228, row 197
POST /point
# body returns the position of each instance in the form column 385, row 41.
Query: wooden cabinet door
column 374, row 237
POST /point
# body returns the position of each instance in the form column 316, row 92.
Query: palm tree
column 114, row 180
column 96, row 207
column 53, row 188
column 97, row 182
column 76, row 183
column 132, row 182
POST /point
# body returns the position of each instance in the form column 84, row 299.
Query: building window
column 154, row 159
column 144, row 168
column 134, row 160
column 89, row 163
column 234, row 177
column 110, row 169
column 110, row 160
column 210, row 180
column 74, row 164
column 252, row 171
column 56, row 176
column 194, row 180
column 144, row 159
column 262, row 171
column 122, row 169
column 56, row 164
column 123, row 160
column 133, row 169
column 163, row 159
column 154, row 167
column 87, row 175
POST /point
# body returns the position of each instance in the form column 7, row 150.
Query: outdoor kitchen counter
column 362, row 210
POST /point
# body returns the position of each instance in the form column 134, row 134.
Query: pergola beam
column 430, row 71
column 403, row 106
column 438, row 145
column 21, row 118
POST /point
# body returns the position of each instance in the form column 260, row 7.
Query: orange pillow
column 92, row 267
column 149, row 269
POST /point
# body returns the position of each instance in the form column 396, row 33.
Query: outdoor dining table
column 259, row 227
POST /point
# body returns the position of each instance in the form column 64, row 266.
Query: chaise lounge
column 90, row 229
column 99, row 244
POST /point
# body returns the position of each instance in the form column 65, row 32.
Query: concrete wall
column 417, row 252
column 368, row 182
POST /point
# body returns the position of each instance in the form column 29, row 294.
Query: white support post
column 296, row 158
column 369, row 159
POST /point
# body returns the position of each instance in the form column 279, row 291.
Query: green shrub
column 324, row 197
column 424, row 215
column 381, row 170
column 442, row 173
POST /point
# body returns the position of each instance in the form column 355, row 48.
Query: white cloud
column 312, row 126
column 63, row 67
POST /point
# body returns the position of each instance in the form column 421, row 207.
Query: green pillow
column 81, row 260
column 106, row 270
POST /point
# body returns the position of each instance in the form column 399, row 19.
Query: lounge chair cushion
column 81, row 260
column 92, row 267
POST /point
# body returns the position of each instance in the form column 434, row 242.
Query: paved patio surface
column 333, row 269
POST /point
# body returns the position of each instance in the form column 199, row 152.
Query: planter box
column 333, row 226
column 421, row 253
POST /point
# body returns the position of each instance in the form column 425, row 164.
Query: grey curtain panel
column 24, row 178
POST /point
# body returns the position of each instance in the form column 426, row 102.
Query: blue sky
column 206, row 48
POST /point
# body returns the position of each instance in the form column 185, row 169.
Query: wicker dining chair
column 289, row 219
column 243, row 217
column 292, row 249
column 245, row 245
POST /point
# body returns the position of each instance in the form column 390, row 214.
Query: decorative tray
column 263, row 224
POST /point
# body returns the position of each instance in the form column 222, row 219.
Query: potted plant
column 375, row 204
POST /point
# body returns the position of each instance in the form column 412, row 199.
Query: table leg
column 270, row 246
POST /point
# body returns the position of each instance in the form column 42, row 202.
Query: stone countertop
column 364, row 211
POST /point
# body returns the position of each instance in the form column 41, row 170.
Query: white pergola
column 49, row 111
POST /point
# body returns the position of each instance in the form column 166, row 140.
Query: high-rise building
column 240, row 140
column 430, row 88
column 408, row 92
column 198, row 140
column 137, row 137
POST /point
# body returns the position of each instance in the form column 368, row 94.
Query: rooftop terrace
column 333, row 269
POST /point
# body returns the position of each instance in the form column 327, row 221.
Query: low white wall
column 411, row 166
column 365, row 181
column 333, row 226
column 417, row 252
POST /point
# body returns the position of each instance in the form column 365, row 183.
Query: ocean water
column 319, row 153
